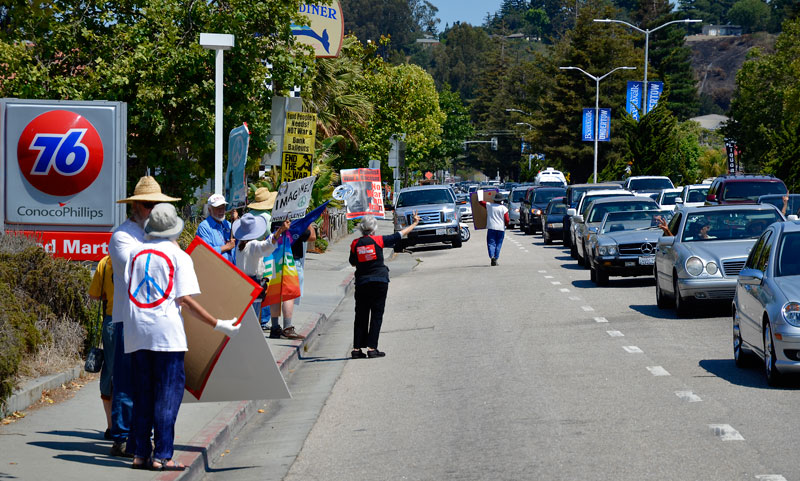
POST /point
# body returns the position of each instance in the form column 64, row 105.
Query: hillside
column 717, row 60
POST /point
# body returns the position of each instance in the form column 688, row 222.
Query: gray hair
column 368, row 225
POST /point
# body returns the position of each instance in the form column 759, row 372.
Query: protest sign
column 235, row 180
column 367, row 196
column 293, row 199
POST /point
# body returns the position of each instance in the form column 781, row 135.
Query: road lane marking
column 555, row 283
column 725, row 432
column 574, row 298
column 587, row 308
column 615, row 334
column 688, row 396
column 657, row 371
column 548, row 277
column 542, row 272
column 564, row 289
column 770, row 477
column 632, row 350
column 600, row 319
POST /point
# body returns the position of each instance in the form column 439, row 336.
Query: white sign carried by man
column 293, row 199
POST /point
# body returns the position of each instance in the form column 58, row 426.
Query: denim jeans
column 122, row 394
column 107, row 371
column 494, row 240
column 160, row 381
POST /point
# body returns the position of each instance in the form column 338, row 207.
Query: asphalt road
column 525, row 371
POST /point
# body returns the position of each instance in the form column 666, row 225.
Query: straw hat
column 163, row 222
column 265, row 200
column 147, row 190
column 249, row 227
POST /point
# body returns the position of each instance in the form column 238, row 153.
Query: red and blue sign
column 60, row 153
column 151, row 284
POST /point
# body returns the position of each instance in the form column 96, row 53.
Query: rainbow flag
column 285, row 284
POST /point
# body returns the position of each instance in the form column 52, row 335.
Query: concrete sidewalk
column 65, row 441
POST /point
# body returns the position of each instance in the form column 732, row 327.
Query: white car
column 693, row 195
column 647, row 183
column 667, row 197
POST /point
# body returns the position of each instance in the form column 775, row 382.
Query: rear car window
column 751, row 190
column 546, row 195
column 729, row 224
column 650, row 184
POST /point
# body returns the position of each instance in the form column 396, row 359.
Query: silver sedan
column 702, row 260
column 766, row 309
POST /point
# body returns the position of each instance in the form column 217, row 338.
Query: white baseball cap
column 216, row 200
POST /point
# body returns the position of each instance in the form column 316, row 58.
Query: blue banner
column 235, row 181
column 604, row 127
column 633, row 103
column 587, row 129
column 654, row 90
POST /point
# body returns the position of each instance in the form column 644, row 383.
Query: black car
column 531, row 207
column 553, row 220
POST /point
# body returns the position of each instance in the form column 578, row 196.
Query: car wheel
column 573, row 251
column 681, row 304
column 547, row 239
column 602, row 277
column 593, row 275
column 662, row 301
column 566, row 240
column 457, row 242
column 465, row 234
column 740, row 355
column 771, row 372
column 585, row 264
column 581, row 260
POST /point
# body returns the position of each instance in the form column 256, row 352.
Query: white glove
column 227, row 327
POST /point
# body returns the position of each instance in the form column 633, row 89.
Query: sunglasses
column 148, row 205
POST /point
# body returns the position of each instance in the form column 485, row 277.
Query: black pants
column 370, row 302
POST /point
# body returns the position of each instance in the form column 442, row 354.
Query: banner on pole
column 235, row 179
column 367, row 194
column 604, row 126
column 654, row 90
column 633, row 102
column 293, row 199
column 587, row 130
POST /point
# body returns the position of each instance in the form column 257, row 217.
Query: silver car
column 702, row 260
column 625, row 244
column 580, row 209
column 517, row 194
column 766, row 309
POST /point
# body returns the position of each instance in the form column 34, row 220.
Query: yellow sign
column 295, row 166
column 301, row 130
column 326, row 31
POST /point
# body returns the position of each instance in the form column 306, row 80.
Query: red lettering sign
column 76, row 246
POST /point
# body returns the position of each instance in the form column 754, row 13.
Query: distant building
column 428, row 40
column 722, row 30
column 711, row 121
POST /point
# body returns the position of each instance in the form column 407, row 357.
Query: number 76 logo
column 64, row 152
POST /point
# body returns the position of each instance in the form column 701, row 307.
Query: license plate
column 554, row 225
column 441, row 231
column 647, row 260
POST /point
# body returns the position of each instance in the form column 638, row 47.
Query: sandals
column 145, row 464
column 165, row 466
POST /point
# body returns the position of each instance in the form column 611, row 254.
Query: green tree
column 752, row 15
column 455, row 130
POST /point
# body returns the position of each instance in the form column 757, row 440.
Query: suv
column 647, row 183
column 438, row 212
column 743, row 188
column 533, row 204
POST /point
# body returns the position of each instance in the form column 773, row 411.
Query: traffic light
column 494, row 143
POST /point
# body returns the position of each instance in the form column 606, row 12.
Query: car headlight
column 602, row 250
column 536, row 212
column 712, row 268
column 516, row 210
column 612, row 250
column 401, row 220
column 791, row 313
column 694, row 266
column 449, row 216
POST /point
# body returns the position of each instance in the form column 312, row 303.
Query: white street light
column 646, row 33
column 596, row 105
column 217, row 42
column 520, row 111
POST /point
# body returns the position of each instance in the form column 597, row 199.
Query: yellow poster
column 301, row 130
column 295, row 166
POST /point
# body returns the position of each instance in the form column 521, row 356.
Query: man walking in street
column 496, row 222
column 126, row 238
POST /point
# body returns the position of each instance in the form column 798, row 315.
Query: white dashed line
column 542, row 272
column 564, row 289
column 770, row 477
column 548, row 277
column 688, row 396
column 587, row 308
column 574, row 298
column 600, row 319
column 725, row 432
column 555, row 283
column 632, row 350
column 615, row 334
column 657, row 371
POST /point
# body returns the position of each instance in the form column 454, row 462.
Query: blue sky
column 469, row 11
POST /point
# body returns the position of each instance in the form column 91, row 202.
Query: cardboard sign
column 479, row 214
column 293, row 199
column 225, row 292
column 367, row 195
column 295, row 166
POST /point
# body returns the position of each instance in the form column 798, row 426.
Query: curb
column 209, row 442
column 32, row 391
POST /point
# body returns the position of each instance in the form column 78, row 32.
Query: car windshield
column 751, row 190
column 697, row 195
column 517, row 195
column 551, row 183
column 542, row 196
column 729, row 224
column 650, row 184
column 599, row 211
column 423, row 197
column 669, row 198
column 632, row 220
column 557, row 208
column 793, row 206
column 788, row 261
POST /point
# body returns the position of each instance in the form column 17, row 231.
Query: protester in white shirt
column 159, row 281
column 496, row 222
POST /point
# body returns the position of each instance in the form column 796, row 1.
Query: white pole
column 596, row 123
column 218, row 124
column 646, row 49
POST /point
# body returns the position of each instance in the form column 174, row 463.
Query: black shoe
column 107, row 435
column 357, row 354
column 118, row 450
column 494, row 261
column 375, row 353
column 275, row 333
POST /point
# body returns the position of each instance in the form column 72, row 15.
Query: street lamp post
column 520, row 112
column 530, row 127
column 646, row 33
column 596, row 104
column 218, row 42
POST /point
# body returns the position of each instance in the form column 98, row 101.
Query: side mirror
column 666, row 240
column 578, row 219
column 792, row 217
column 678, row 201
column 751, row 277
column 593, row 230
column 571, row 212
